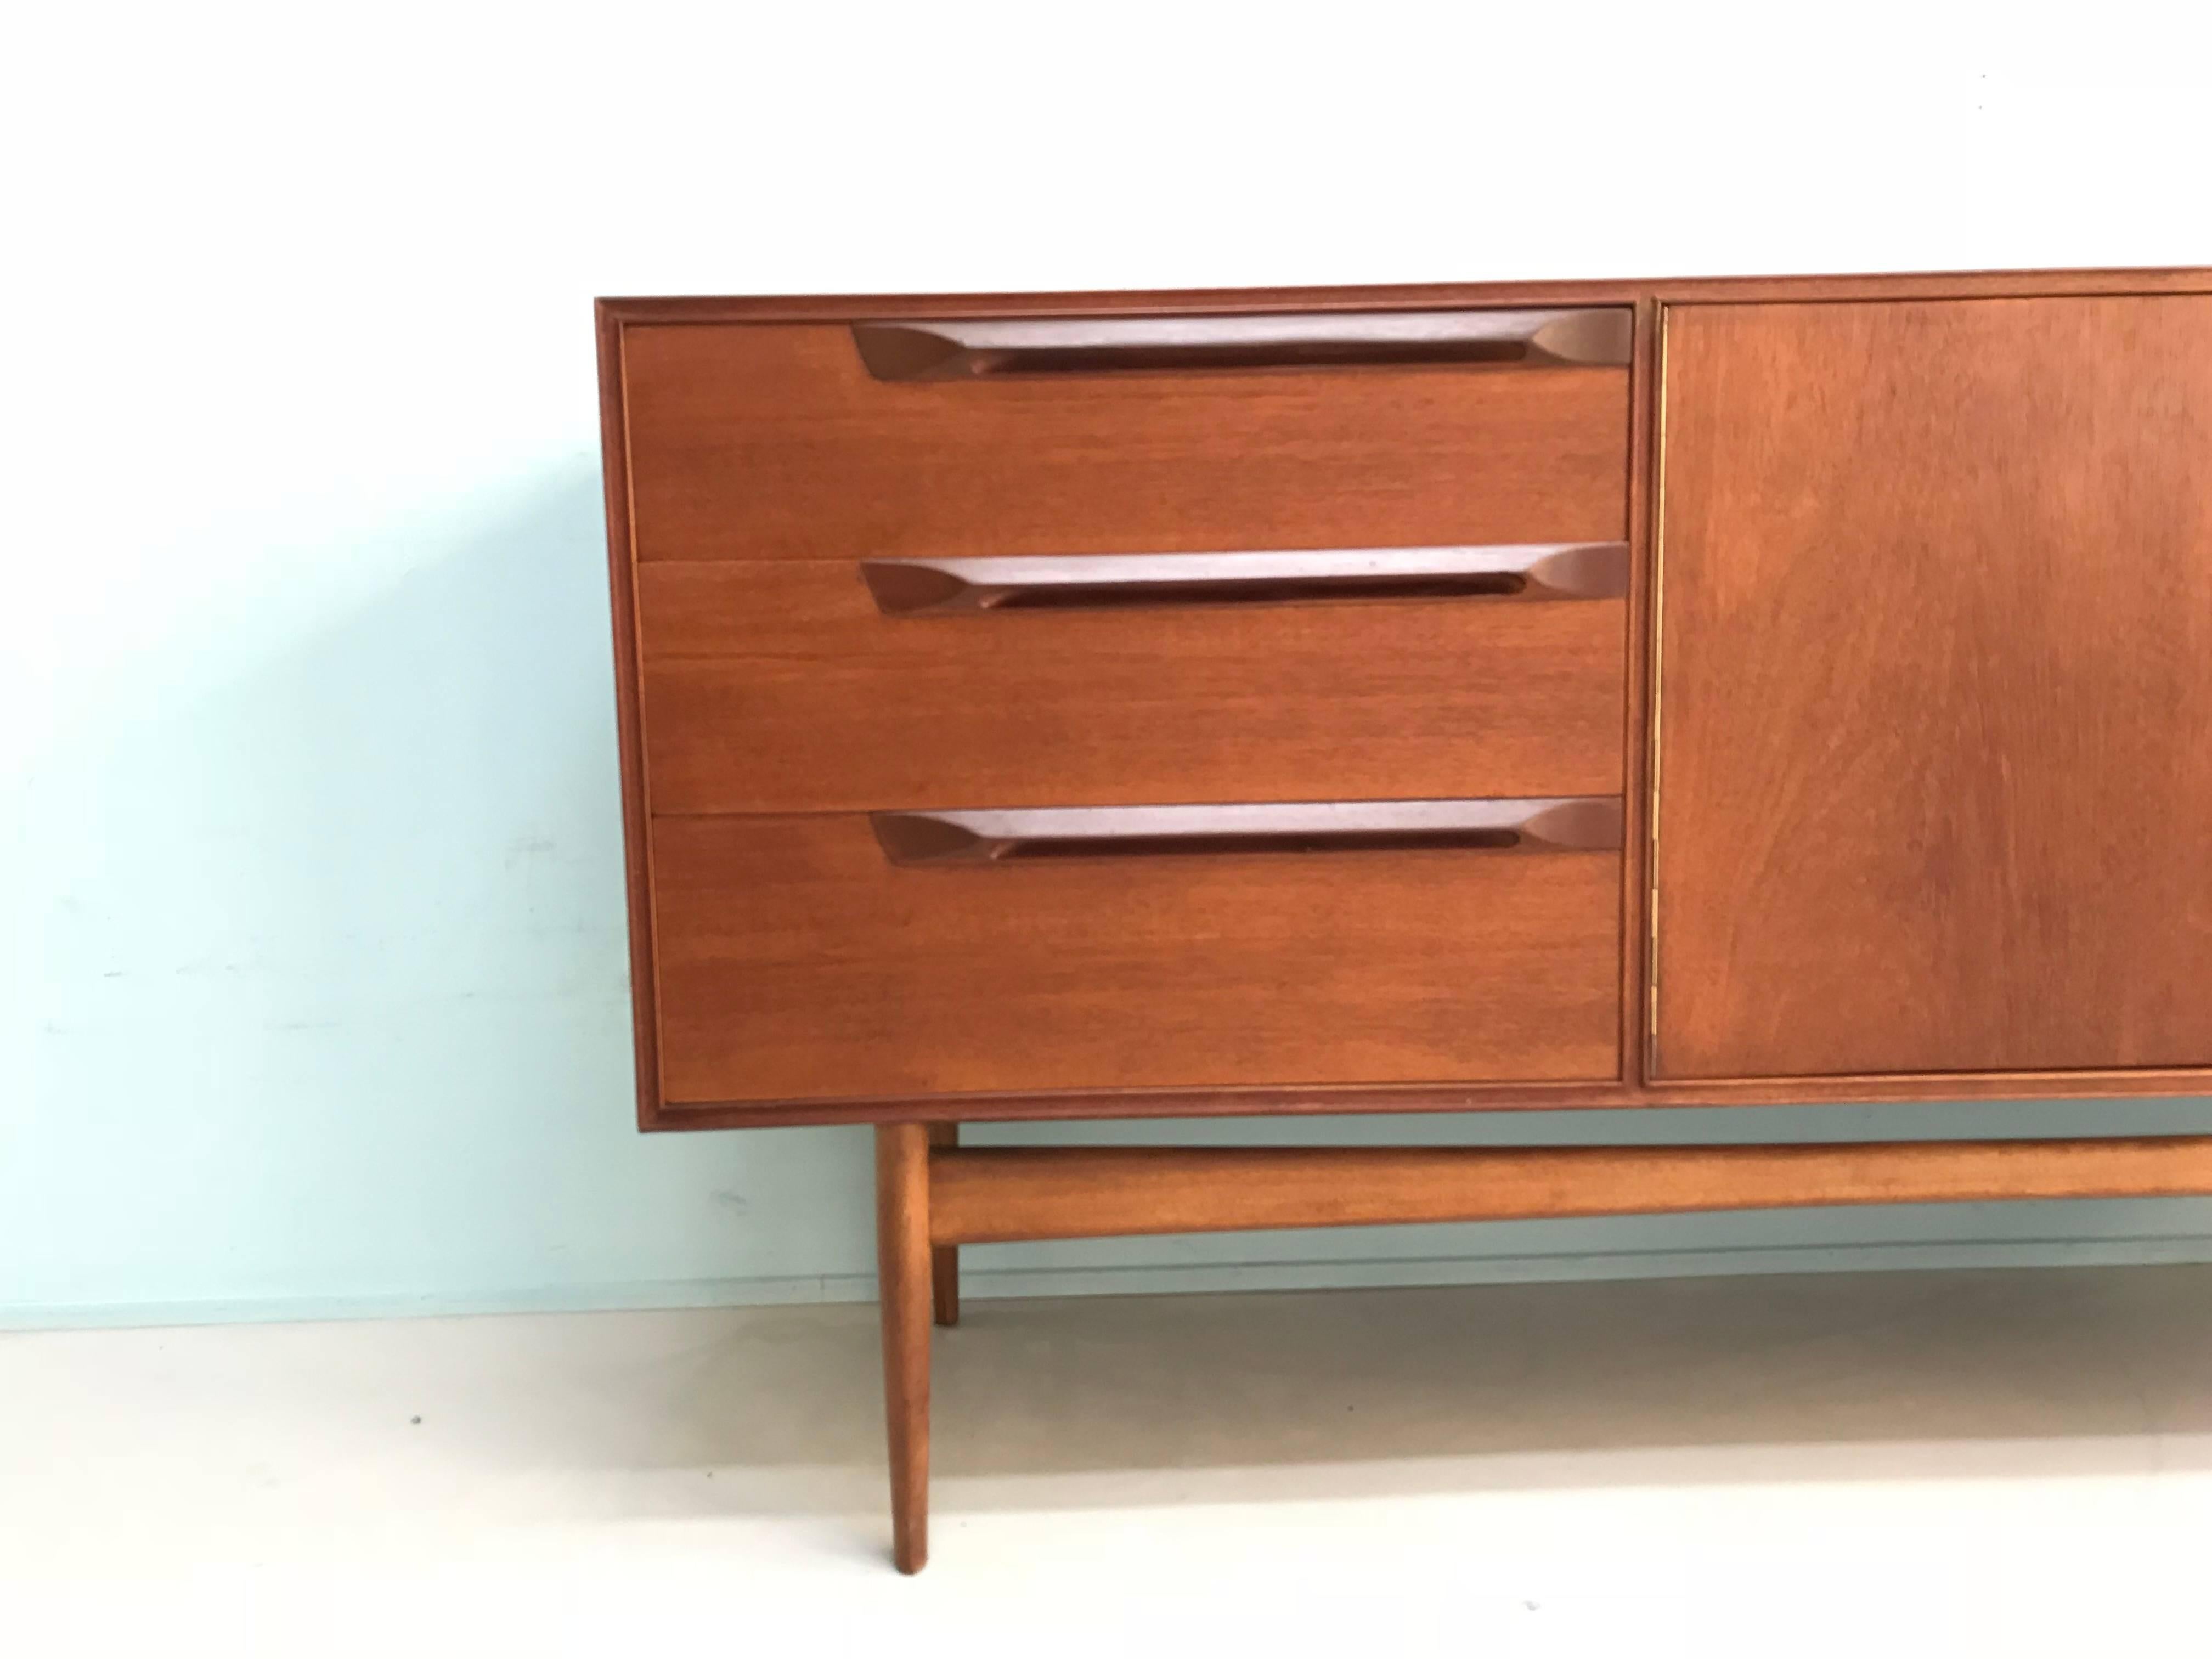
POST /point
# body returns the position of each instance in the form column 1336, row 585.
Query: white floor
column 1982, row 1463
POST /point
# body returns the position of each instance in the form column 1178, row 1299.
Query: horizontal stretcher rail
column 997, row 1194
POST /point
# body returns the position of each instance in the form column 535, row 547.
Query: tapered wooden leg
column 902, row 1281
column 945, row 1260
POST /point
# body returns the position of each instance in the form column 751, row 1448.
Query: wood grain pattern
column 750, row 443
column 797, row 963
column 754, row 673
column 902, row 1291
column 620, row 318
column 1000, row 1195
column 1935, row 717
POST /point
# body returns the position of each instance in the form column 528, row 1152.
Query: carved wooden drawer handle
column 1574, row 823
column 1550, row 570
column 960, row 348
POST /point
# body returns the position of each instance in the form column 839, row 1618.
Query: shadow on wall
column 330, row 1007
column 333, row 968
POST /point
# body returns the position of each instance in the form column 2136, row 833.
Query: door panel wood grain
column 797, row 962
column 1934, row 781
column 774, row 441
column 781, row 687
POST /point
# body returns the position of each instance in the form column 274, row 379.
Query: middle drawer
column 819, row 685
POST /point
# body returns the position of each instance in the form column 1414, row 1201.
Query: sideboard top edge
column 1686, row 290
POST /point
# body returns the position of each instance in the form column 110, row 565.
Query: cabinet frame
column 1637, row 1086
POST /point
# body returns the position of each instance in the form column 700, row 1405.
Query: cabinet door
column 1934, row 768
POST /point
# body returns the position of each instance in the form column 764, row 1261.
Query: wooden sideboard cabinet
column 1446, row 698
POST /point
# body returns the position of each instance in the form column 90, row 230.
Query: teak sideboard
column 1437, row 698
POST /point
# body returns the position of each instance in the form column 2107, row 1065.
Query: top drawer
column 1042, row 435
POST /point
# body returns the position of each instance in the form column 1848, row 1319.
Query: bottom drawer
column 834, row 956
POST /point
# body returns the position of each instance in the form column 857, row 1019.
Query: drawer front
column 779, row 441
column 836, row 957
column 786, row 687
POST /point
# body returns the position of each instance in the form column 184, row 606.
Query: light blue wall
column 312, row 931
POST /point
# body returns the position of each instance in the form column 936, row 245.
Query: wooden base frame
column 934, row 1196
